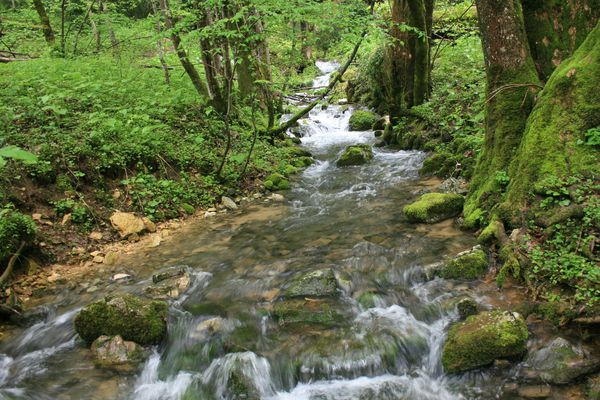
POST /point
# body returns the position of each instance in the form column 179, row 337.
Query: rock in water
column 127, row 223
column 355, row 155
column 362, row 120
column 133, row 318
column 319, row 283
column 434, row 207
column 483, row 338
column 228, row 203
column 469, row 265
column 467, row 307
column 115, row 353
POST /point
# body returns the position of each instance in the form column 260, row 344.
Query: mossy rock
column 362, row 120
column 299, row 312
column 133, row 318
column 483, row 338
column 319, row 283
column 277, row 181
column 468, row 265
column 467, row 307
column 379, row 125
column 355, row 155
column 302, row 162
column 434, row 207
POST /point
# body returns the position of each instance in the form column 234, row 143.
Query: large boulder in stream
column 362, row 120
column 468, row 265
column 434, row 207
column 133, row 318
column 355, row 155
column 483, row 338
column 319, row 283
column 112, row 352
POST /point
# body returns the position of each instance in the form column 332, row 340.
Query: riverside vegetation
column 117, row 116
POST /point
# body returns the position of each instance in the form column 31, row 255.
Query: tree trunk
column 208, row 50
column 45, row 21
column 95, row 31
column 511, row 83
column 159, row 45
column 556, row 28
column 181, row 53
column 553, row 144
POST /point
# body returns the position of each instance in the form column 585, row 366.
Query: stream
column 387, row 345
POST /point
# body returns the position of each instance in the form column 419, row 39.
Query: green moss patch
column 362, row 120
column 468, row 265
column 434, row 207
column 355, row 155
column 277, row 181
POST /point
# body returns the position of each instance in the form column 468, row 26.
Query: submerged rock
column 467, row 307
column 362, row 120
column 483, row 338
column 319, row 283
column 169, row 284
column 133, row 318
column 434, row 207
column 115, row 353
column 559, row 362
column 470, row 264
column 323, row 312
column 355, row 155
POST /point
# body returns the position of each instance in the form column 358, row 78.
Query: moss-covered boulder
column 362, row 120
column 467, row 307
column 468, row 265
column 434, row 207
column 277, row 181
column 325, row 313
column 483, row 338
column 112, row 352
column 355, row 155
column 319, row 283
column 133, row 318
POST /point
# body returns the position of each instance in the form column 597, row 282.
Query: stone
column 322, row 312
column 173, row 272
column 121, row 276
column 355, row 155
column 559, row 362
column 127, row 223
column 211, row 327
column 209, row 214
column 114, row 353
column 149, row 225
column 467, row 307
column 483, row 338
column 319, row 283
column 155, row 240
column 95, row 235
column 228, row 203
column 169, row 284
column 453, row 185
column 276, row 197
column 111, row 258
column 434, row 207
column 66, row 219
column 36, row 217
column 342, row 102
column 95, row 253
column 133, row 318
column 535, row 391
column 468, row 265
column 98, row 259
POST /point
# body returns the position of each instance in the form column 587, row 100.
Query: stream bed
column 391, row 321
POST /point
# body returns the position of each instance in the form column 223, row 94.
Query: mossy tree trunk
column 45, row 21
column 406, row 58
column 556, row 28
column 511, row 84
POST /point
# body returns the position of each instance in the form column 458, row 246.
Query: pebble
column 95, row 235
column 121, row 276
column 228, row 203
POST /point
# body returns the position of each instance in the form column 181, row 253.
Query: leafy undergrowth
column 109, row 135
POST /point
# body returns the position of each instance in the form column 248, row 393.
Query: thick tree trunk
column 553, row 144
column 45, row 21
column 181, row 53
column 511, row 83
column 556, row 28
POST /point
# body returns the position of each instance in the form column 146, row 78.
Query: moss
column 379, row 124
column 483, row 338
column 14, row 229
column 300, row 312
column 493, row 233
column 277, row 181
column 188, row 208
column 206, row 309
column 434, row 207
column 135, row 319
column 302, row 162
column 355, row 155
column 471, row 265
column 467, row 307
column 362, row 120
column 593, row 388
column 320, row 283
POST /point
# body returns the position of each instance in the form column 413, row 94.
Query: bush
column 14, row 229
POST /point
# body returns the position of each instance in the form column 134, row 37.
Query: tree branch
column 11, row 264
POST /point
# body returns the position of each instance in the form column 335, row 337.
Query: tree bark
column 511, row 77
column 208, row 49
column 159, row 46
column 45, row 21
column 181, row 53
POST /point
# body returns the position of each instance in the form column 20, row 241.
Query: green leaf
column 16, row 153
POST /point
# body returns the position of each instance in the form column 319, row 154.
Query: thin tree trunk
column 111, row 33
column 95, row 32
column 207, row 49
column 181, row 53
column 63, row 6
column 159, row 46
column 45, row 21
column 11, row 264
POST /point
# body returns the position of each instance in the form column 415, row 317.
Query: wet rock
column 434, row 207
column 483, row 338
column 559, row 362
column 469, row 265
column 362, row 120
column 114, row 353
column 169, row 284
column 120, row 277
column 535, row 392
column 173, row 272
column 276, row 197
column 355, row 155
column 98, row 259
column 277, row 181
column 453, row 185
column 127, row 223
column 319, row 283
column 228, row 203
column 321, row 312
column 467, row 307
column 111, row 258
column 211, row 327
column 133, row 318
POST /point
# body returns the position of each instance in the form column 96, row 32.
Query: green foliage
column 14, row 229
column 16, row 153
column 362, row 120
column 592, row 137
column 502, row 179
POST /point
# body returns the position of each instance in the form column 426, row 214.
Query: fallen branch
column 11, row 264
column 157, row 67
column 11, row 59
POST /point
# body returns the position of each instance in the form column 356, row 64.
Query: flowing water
column 386, row 346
